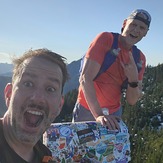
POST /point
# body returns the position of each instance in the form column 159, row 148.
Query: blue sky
column 68, row 26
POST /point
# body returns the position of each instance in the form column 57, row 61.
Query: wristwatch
column 133, row 84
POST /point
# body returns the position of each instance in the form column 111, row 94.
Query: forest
column 144, row 120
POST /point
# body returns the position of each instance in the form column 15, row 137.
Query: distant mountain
column 7, row 74
column 73, row 69
column 5, row 77
column 5, row 68
column 3, row 81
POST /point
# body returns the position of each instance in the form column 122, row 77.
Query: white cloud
column 5, row 58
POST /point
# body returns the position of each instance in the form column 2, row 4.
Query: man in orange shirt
column 104, row 92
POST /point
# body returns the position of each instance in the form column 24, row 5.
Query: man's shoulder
column 106, row 34
column 142, row 55
column 104, row 39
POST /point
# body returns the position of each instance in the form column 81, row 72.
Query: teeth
column 34, row 112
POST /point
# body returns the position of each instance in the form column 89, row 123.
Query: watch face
column 133, row 84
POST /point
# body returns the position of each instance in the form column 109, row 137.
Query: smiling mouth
column 33, row 118
column 133, row 36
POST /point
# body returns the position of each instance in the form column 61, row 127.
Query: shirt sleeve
column 99, row 47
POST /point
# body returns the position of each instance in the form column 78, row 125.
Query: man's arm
column 90, row 70
column 133, row 93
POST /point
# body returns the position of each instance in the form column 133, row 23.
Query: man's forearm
column 133, row 94
column 90, row 96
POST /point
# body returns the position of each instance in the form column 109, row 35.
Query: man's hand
column 130, row 69
column 110, row 121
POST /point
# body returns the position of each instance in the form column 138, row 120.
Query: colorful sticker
column 87, row 142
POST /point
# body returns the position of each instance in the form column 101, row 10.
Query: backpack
column 111, row 56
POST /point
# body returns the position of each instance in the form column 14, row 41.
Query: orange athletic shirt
column 108, row 84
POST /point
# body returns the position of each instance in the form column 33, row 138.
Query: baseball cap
column 141, row 15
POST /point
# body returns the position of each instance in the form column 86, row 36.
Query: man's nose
column 137, row 29
column 38, row 95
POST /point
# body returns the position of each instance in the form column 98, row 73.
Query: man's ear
column 7, row 93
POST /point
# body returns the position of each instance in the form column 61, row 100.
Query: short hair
column 43, row 53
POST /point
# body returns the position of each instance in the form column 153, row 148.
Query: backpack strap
column 136, row 55
column 110, row 56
